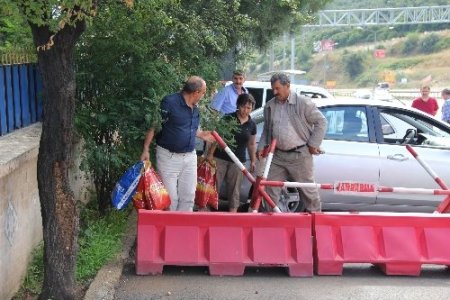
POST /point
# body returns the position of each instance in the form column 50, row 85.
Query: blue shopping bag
column 126, row 186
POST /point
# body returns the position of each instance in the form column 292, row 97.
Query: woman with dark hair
column 245, row 138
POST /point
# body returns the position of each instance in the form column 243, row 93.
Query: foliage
column 127, row 62
column 410, row 44
column 211, row 120
column 15, row 34
column 34, row 277
column 353, row 64
column 429, row 43
column 100, row 240
column 444, row 43
column 402, row 64
column 304, row 59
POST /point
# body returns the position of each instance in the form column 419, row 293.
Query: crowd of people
column 292, row 119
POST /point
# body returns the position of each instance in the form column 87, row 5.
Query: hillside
column 414, row 69
column 404, row 69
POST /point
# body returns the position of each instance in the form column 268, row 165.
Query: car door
column 351, row 155
column 430, row 139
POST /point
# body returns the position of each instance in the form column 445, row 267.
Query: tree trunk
column 59, row 211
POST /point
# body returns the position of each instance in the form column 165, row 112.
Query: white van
column 262, row 91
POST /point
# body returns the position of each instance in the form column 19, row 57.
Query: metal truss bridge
column 382, row 16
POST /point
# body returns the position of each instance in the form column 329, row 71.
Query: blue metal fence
column 20, row 97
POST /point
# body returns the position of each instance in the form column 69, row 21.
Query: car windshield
column 396, row 124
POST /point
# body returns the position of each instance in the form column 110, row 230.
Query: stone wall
column 20, row 212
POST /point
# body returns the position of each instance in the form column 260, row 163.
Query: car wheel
column 290, row 201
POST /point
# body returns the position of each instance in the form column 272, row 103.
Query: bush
column 402, row 64
column 353, row 64
column 410, row 44
column 443, row 43
column 429, row 43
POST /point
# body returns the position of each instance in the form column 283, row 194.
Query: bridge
column 383, row 16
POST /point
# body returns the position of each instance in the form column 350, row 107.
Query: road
column 361, row 281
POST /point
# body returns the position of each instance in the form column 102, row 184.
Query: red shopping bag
column 138, row 198
column 206, row 192
column 156, row 196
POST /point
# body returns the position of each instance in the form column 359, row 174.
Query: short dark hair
column 281, row 77
column 446, row 91
column 243, row 99
column 193, row 84
column 238, row 73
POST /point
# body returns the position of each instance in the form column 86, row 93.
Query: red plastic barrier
column 398, row 243
column 225, row 242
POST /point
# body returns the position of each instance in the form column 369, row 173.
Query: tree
column 56, row 26
column 354, row 64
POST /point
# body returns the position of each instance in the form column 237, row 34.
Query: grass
column 100, row 240
column 402, row 63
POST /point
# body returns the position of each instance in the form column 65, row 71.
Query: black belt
column 176, row 152
column 293, row 149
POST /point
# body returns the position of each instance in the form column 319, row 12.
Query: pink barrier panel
column 225, row 242
column 398, row 243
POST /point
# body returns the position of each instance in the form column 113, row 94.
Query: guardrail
column 402, row 94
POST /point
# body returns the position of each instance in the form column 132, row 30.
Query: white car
column 262, row 91
column 365, row 143
column 363, row 94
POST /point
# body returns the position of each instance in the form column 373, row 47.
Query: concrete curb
column 106, row 281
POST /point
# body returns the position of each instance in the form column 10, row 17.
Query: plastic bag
column 138, row 198
column 156, row 196
column 206, row 192
column 126, row 186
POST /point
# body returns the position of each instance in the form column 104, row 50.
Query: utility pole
column 292, row 56
column 284, row 50
column 272, row 57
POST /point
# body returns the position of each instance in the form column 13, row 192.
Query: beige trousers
column 295, row 167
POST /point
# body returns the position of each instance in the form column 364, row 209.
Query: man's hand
column 314, row 150
column 145, row 155
column 206, row 136
column 259, row 154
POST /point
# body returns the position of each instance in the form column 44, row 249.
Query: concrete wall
column 20, row 212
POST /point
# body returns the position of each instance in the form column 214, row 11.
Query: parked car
column 262, row 91
column 382, row 95
column 363, row 94
column 373, row 151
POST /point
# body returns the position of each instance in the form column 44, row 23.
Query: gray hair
column 238, row 72
column 193, row 84
column 281, row 77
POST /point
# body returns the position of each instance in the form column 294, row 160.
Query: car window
column 401, row 127
column 258, row 94
column 312, row 94
column 346, row 123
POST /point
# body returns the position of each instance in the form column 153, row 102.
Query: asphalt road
column 361, row 281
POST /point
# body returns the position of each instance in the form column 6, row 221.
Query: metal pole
column 292, row 57
column 284, row 50
column 272, row 57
